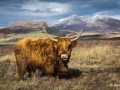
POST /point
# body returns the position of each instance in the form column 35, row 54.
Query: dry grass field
column 94, row 65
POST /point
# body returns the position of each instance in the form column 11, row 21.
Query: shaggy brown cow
column 48, row 55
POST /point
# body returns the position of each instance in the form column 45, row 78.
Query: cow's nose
column 64, row 56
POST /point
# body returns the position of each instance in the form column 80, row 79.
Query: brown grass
column 94, row 65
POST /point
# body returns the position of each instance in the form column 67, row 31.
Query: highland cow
column 49, row 55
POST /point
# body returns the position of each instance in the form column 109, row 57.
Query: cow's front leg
column 21, row 70
column 49, row 69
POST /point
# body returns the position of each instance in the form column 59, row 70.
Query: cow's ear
column 74, row 43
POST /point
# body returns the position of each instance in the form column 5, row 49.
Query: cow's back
column 34, row 51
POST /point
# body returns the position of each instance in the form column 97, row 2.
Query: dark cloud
column 107, row 5
column 93, row 6
column 12, row 11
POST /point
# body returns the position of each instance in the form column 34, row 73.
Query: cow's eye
column 58, row 48
column 70, row 46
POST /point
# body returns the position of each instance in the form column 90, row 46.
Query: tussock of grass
column 8, row 57
column 98, row 57
column 97, row 52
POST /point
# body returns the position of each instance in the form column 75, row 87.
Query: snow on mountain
column 71, row 22
column 74, row 19
column 103, row 23
column 97, row 18
column 95, row 23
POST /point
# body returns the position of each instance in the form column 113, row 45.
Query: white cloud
column 44, row 9
column 116, row 16
column 106, row 13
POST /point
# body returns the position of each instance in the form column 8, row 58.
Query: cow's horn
column 53, row 39
column 79, row 34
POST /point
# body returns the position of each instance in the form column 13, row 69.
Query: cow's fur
column 42, row 54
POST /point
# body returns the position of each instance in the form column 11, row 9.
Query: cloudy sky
column 12, row 11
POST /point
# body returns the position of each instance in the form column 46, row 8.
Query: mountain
column 71, row 23
column 97, row 23
column 74, row 19
column 103, row 24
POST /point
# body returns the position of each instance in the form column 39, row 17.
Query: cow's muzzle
column 64, row 56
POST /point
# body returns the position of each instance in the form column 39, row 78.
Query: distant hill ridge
column 23, row 27
column 28, row 29
column 97, row 23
